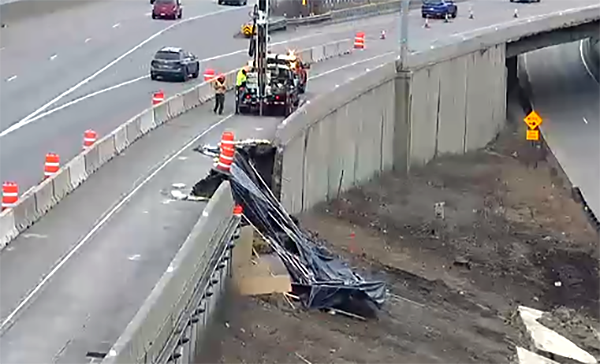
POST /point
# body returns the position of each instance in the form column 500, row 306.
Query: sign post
column 533, row 121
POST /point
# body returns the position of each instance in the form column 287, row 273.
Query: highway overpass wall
column 388, row 118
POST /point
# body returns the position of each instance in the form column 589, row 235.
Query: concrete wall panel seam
column 92, row 159
column 77, row 173
column 61, row 185
column 147, row 121
column 44, row 198
column 8, row 229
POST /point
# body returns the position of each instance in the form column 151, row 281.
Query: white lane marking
column 103, row 221
column 83, row 98
column 585, row 120
column 116, row 25
column 114, row 87
column 148, row 13
column 351, row 65
column 134, row 257
column 128, row 197
column 87, row 39
column 11, row 78
column 587, row 68
column 53, row 57
column 25, row 120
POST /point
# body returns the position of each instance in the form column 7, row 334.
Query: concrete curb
column 39, row 200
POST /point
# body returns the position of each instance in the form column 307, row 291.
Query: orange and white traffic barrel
column 227, row 147
column 52, row 164
column 158, row 97
column 209, row 74
column 359, row 40
column 10, row 195
column 89, row 138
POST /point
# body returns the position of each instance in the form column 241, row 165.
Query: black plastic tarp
column 321, row 279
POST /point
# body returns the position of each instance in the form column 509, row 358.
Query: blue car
column 438, row 9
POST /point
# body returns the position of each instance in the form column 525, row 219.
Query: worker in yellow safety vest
column 240, row 83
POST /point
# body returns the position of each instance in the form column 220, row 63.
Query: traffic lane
column 41, row 83
column 218, row 54
column 235, row 57
column 89, row 302
column 488, row 14
column 43, row 245
column 568, row 99
column 24, row 44
column 62, row 131
column 198, row 37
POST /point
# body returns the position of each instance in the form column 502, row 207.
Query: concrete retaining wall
column 457, row 105
column 388, row 118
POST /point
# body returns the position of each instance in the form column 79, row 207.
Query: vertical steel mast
column 261, row 49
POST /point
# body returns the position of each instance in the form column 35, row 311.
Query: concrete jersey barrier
column 39, row 200
column 182, row 290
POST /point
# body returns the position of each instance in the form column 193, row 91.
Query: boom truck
column 274, row 81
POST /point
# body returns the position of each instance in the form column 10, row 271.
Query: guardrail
column 39, row 200
column 172, row 321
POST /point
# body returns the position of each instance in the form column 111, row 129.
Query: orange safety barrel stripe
column 10, row 194
column 52, row 164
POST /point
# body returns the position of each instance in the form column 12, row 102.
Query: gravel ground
column 510, row 235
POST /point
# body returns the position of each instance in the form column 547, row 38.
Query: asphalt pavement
column 119, row 230
column 210, row 36
column 567, row 97
column 136, row 230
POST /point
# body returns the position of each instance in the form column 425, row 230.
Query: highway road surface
column 567, row 96
column 89, row 68
column 94, row 258
column 90, row 299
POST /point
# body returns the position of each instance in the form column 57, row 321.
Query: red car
column 167, row 9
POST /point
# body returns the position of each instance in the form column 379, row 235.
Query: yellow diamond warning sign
column 533, row 120
column 533, row 135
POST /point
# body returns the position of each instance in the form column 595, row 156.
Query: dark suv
column 170, row 62
column 438, row 9
column 167, row 9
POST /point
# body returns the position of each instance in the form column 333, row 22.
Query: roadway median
column 36, row 202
